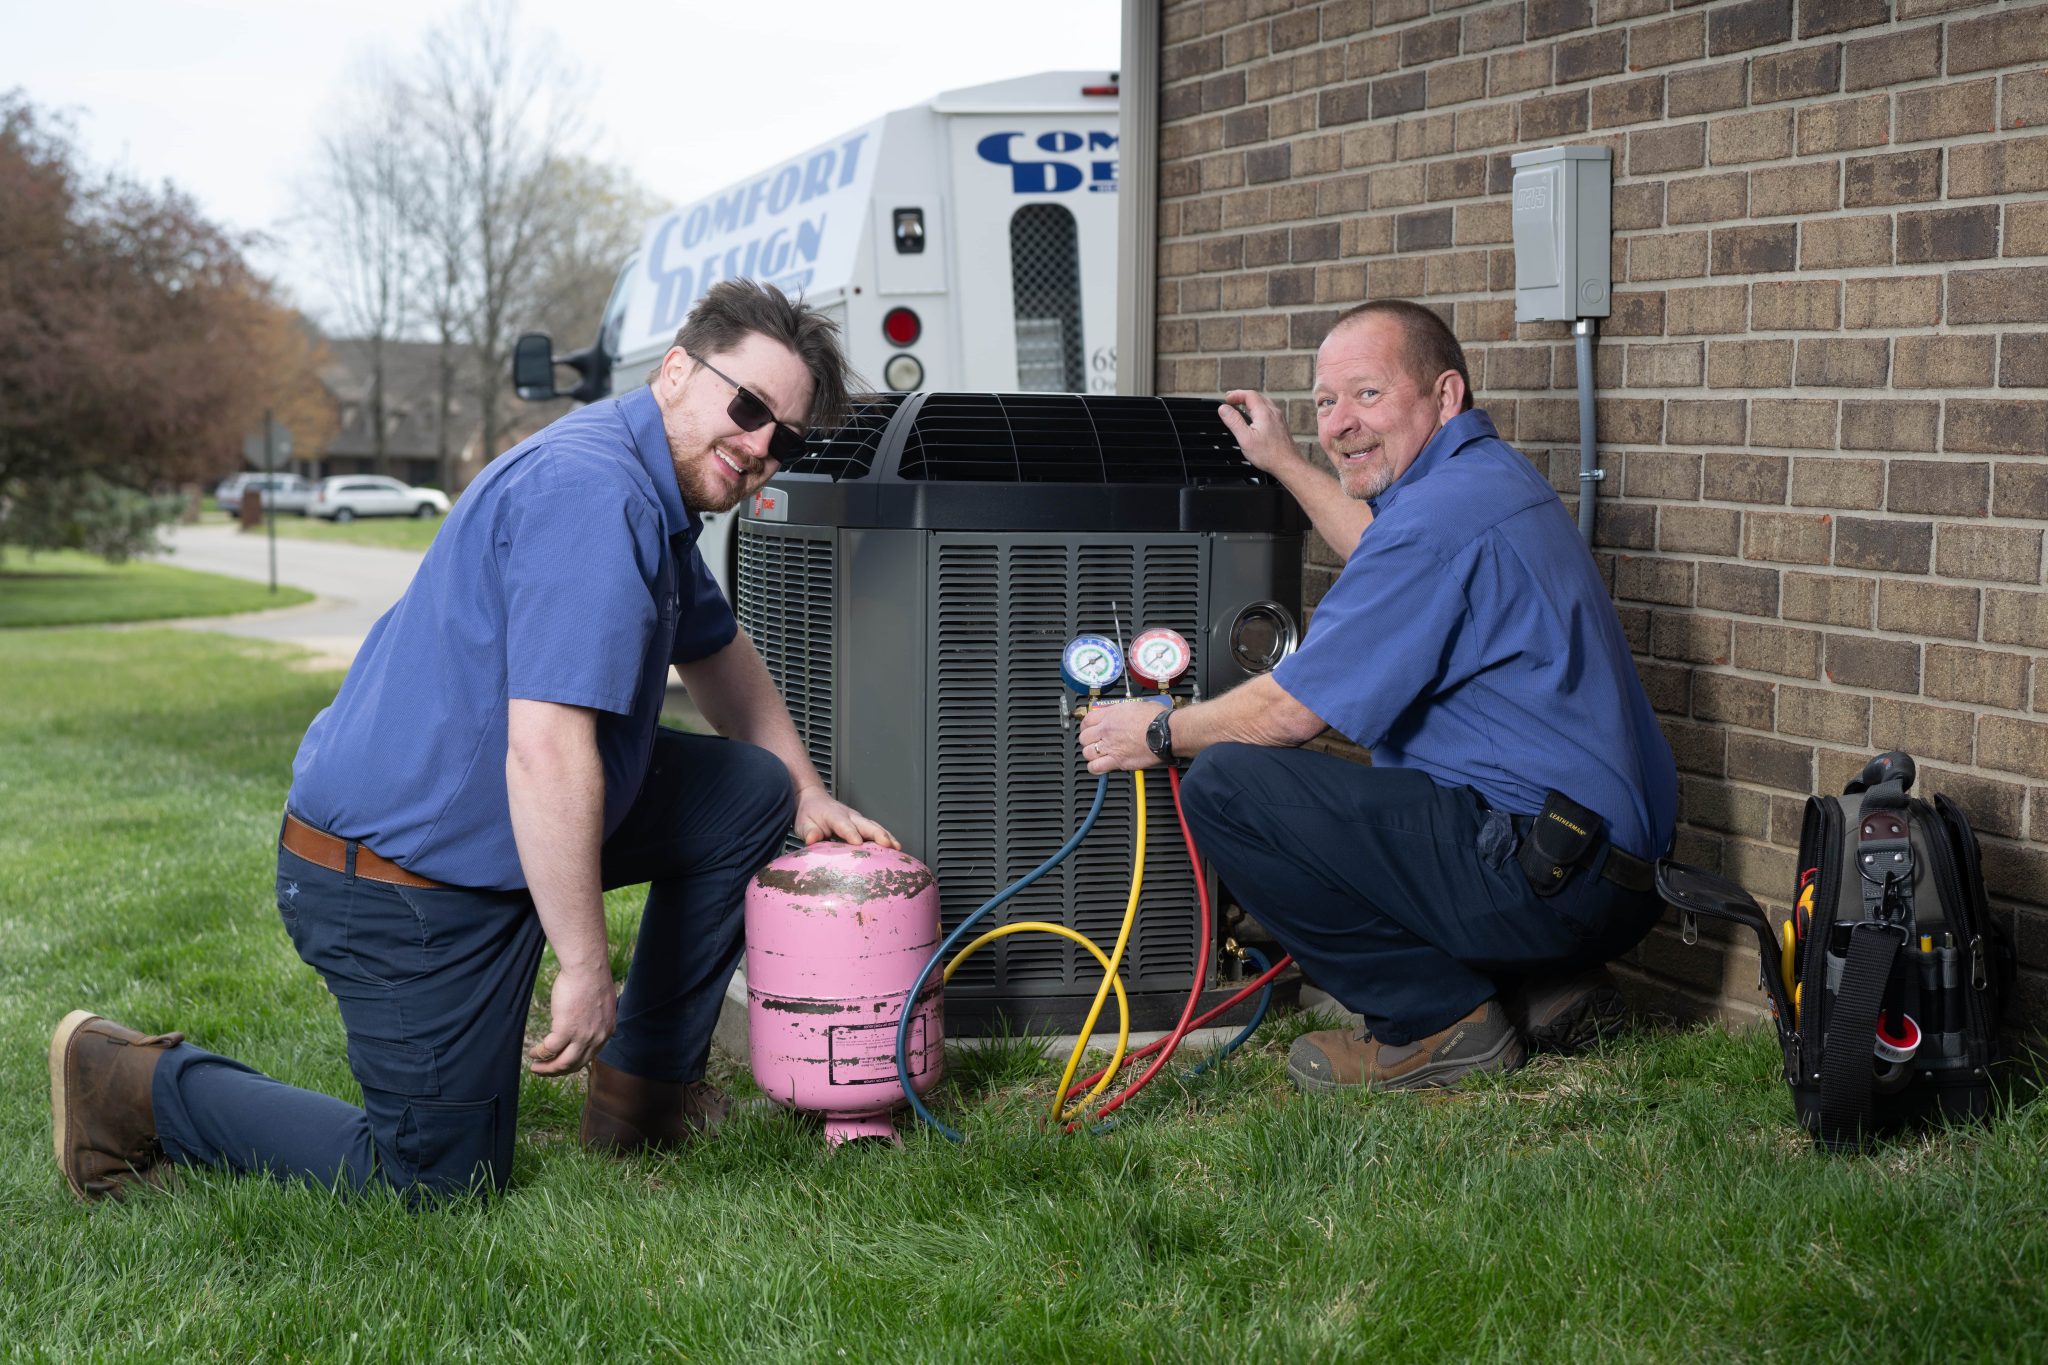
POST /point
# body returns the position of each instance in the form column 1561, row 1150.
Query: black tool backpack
column 1887, row 980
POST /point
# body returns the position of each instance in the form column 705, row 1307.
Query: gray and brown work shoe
column 1567, row 1013
column 104, row 1121
column 625, row 1113
column 1347, row 1059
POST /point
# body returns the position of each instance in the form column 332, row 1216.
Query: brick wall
column 1823, row 392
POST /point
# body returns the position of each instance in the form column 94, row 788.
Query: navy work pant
column 1399, row 897
column 434, row 986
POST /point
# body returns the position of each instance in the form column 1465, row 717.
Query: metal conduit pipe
column 1590, row 473
column 1137, row 227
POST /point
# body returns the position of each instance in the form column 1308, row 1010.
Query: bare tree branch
column 455, row 201
column 361, row 224
column 498, row 117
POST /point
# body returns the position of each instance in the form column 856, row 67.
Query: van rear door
column 1042, row 188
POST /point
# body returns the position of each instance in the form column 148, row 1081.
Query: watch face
column 1158, row 737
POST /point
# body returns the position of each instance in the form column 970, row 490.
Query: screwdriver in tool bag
column 1930, row 981
column 1788, row 957
column 1951, row 985
column 1794, row 938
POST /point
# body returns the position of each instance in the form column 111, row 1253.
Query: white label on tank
column 865, row 1054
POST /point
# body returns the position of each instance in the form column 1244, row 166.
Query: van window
column 1045, row 276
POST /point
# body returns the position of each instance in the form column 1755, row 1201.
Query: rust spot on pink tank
column 769, row 1002
column 820, row 882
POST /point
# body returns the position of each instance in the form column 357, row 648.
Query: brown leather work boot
column 104, row 1120
column 1344, row 1059
column 626, row 1113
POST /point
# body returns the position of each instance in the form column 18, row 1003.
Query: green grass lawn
column 1652, row 1202
column 397, row 533
column 63, row 587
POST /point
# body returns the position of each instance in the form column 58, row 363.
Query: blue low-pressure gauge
column 1091, row 663
column 1160, row 656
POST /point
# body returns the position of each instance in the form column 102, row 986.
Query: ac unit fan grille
column 848, row 451
column 1067, row 438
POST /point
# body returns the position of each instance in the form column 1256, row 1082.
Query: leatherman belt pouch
column 1887, row 975
column 1563, row 834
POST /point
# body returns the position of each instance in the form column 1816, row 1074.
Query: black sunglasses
column 749, row 413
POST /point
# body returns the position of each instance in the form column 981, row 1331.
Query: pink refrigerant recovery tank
column 836, row 935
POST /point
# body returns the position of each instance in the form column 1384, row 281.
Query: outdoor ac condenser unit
column 911, row 583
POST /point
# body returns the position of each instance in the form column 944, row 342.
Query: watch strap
column 1159, row 735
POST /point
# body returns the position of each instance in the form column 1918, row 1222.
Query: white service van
column 965, row 243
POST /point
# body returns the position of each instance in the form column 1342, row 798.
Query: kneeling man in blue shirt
column 1464, row 889
column 491, row 765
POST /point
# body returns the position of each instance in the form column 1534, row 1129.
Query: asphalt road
column 352, row 585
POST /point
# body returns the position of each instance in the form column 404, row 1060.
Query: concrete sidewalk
column 352, row 586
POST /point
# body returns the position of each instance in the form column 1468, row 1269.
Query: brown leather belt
column 320, row 847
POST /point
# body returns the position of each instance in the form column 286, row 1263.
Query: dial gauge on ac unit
column 1090, row 663
column 1160, row 656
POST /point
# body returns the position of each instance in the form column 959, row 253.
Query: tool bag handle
column 1698, row 892
column 1893, row 765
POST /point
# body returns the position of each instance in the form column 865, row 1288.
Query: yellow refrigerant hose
column 1123, row 1003
column 1110, row 980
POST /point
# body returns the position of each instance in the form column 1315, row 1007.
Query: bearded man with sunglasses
column 490, row 766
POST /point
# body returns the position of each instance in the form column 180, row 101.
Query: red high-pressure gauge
column 1158, row 657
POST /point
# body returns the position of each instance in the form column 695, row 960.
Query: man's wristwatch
column 1159, row 735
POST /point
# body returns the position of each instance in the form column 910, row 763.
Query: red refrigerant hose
column 1180, row 1028
column 1188, row 1023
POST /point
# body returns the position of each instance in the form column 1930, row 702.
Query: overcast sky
column 226, row 99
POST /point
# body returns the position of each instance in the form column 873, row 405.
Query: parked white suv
column 348, row 496
column 284, row 492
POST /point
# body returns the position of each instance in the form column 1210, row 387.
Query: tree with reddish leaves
column 136, row 345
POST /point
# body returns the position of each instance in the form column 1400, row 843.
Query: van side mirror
column 594, row 363
column 533, row 367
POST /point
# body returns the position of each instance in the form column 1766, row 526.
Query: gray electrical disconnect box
column 1562, row 230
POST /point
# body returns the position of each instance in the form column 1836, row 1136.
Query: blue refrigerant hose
column 945, row 948
column 1258, row 1017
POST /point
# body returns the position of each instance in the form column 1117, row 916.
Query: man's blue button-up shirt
column 568, row 572
column 1471, row 637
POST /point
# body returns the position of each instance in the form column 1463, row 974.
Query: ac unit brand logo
column 768, row 505
column 1093, row 160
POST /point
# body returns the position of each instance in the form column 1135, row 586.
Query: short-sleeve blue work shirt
column 568, row 572
column 1470, row 636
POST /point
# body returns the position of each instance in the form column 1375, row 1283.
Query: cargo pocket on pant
column 449, row 1147
column 396, row 1068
